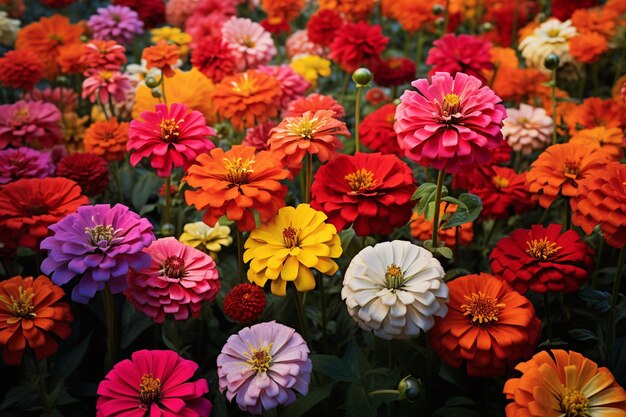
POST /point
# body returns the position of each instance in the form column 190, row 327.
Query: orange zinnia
column 412, row 15
column 587, row 47
column 422, row 229
column 599, row 20
column 107, row 139
column 71, row 58
column 162, row 56
column 564, row 384
column 31, row 311
column 594, row 112
column 558, row 170
column 285, row 10
column 489, row 326
column 312, row 133
column 247, row 99
column 45, row 37
column 602, row 139
column 351, row 10
column 236, row 182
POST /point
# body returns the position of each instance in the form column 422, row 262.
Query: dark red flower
column 468, row 54
column 89, row 171
column 20, row 69
column 503, row 192
column 563, row 9
column 357, row 44
column 543, row 259
column 275, row 25
column 368, row 190
column 322, row 26
column 377, row 133
column 376, row 96
column 151, row 12
column 393, row 72
column 245, row 303
column 214, row 58
column 57, row 4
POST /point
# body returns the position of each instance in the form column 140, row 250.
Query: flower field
column 298, row 208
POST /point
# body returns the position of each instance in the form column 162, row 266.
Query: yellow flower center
column 553, row 33
column 305, row 128
column 100, row 233
column 20, row 307
column 394, row 277
column 247, row 42
column 395, row 63
column 500, row 182
column 542, row 248
column 150, row 389
column 483, row 308
column 238, row 170
column 571, row 169
column 575, row 404
column 360, row 180
column 291, row 237
column 245, row 86
column 174, row 267
column 21, row 114
column 259, row 359
column 170, row 129
column 451, row 104
column 522, row 120
column 106, row 75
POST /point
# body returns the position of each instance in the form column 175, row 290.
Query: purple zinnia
column 24, row 163
column 116, row 23
column 100, row 243
column 263, row 366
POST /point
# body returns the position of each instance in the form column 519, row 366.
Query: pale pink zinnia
column 527, row 129
column 251, row 44
column 30, row 123
column 263, row 366
column 298, row 43
column 451, row 124
column 171, row 137
column 153, row 383
column 292, row 84
column 179, row 280
column 106, row 84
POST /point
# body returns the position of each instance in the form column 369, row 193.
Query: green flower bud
column 552, row 61
column 409, row 389
column 438, row 9
column 152, row 82
column 167, row 230
column 156, row 93
column 362, row 77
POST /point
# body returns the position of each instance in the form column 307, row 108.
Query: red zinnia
column 357, row 44
column 245, row 303
column 313, row 103
column 89, row 171
column 20, row 69
column 104, row 55
column 29, row 206
column 275, row 25
column 468, row 54
column 151, row 12
column 377, row 132
column 214, row 58
column 371, row 191
column 543, row 259
column 393, row 72
column 563, row 9
column 502, row 190
column 323, row 25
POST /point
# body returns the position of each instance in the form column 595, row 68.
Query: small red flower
column 394, row 72
column 323, row 25
column 275, row 25
column 314, row 102
column 357, row 44
column 214, row 58
column 502, row 190
column 468, row 54
column 377, row 132
column 245, row 303
column 89, row 171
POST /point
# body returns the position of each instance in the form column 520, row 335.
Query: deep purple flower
column 100, row 243
column 24, row 163
column 116, row 23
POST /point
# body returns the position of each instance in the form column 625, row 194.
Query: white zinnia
column 395, row 289
column 8, row 29
column 527, row 128
column 552, row 37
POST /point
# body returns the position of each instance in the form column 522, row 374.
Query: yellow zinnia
column 286, row 248
column 208, row 239
column 311, row 67
column 172, row 35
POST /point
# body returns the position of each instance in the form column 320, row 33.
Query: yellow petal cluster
column 208, row 239
column 311, row 67
column 171, row 35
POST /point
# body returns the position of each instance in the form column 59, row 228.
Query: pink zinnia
column 258, row 135
column 65, row 99
column 468, row 54
column 153, row 383
column 450, row 124
column 300, row 44
column 29, row 122
column 106, row 84
column 24, row 163
column 171, row 137
column 104, row 55
column 251, row 44
column 291, row 83
column 179, row 280
column 263, row 366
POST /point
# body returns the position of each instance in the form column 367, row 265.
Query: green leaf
column 358, row 403
column 600, row 301
column 350, row 243
column 467, row 211
column 133, row 325
column 23, row 396
column 583, row 335
column 144, row 188
column 69, row 361
column 426, row 194
column 332, row 367
column 453, row 200
column 305, row 403
column 445, row 251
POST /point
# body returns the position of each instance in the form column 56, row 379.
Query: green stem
column 595, row 69
column 446, row 17
column 115, row 172
column 516, row 11
column 553, row 95
column 242, row 276
column 594, row 277
column 394, row 92
column 420, row 49
column 344, row 85
column 357, row 118
column 163, row 88
column 620, row 63
column 440, row 177
column 109, row 312
column 617, row 284
column 320, row 280
column 42, row 384
column 104, row 110
column 299, row 302
column 168, row 202
column 308, row 177
column 548, row 318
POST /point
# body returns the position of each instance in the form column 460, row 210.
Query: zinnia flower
column 289, row 246
column 8, row 29
column 236, row 182
column 489, row 326
column 371, row 192
column 608, row 140
column 153, row 382
column 29, row 122
column 594, row 112
column 323, row 25
column 107, row 139
column 105, row 85
column 178, row 281
column 393, row 72
column 352, row 10
column 588, row 47
column 300, row 44
column 29, row 206
column 468, row 54
column 560, row 168
column 395, row 289
column 213, row 57
column 292, row 85
column 209, row 240
column 563, row 383
column 171, row 137
column 502, row 191
column 162, row 56
column 251, row 44
column 151, row 12
column 117, row 23
column 356, row 45
column 286, row 10
column 313, row 103
column 551, row 37
column 20, row 69
column 245, row 303
column 422, row 229
column 449, row 124
column 311, row 67
column 527, row 129
column 31, row 312
column 24, row 162
column 257, row 136
column 172, row 35
column 65, row 99
column 601, row 200
column 411, row 15
column 99, row 244
column 247, row 98
column 104, row 55
column 263, row 366
column 377, row 132
column 563, row 9
column 89, row 171
column 311, row 133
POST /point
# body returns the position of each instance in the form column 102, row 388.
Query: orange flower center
column 21, row 114
column 575, row 404
column 451, row 104
column 305, row 128
column 149, row 389
column 174, row 267
column 542, row 249
column 238, row 170
column 500, row 182
column 394, row 277
column 99, row 234
column 259, row 359
column 291, row 237
column 571, row 169
column 395, row 63
column 247, row 42
column 360, row 181
column 170, row 129
column 483, row 308
column 20, row 307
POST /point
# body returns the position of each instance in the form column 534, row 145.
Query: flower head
column 377, row 132
column 245, row 303
column 263, row 366
column 150, row 12
column 29, row 122
column 357, row 44
column 213, row 57
column 251, row 44
column 311, row 67
column 351, row 10
column 422, row 229
column 286, row 10
column 89, row 170
column 292, row 85
column 18, row 163
column 412, row 15
column 107, row 139
column 449, row 124
column 468, row 54
column 257, row 136
column 323, row 25
column 117, row 23
column 527, row 129
column 153, row 381
column 502, row 191
column 163, row 56
column 300, row 44
column 395, row 71
column 489, row 326
column 172, row 35
column 313, row 103
column 588, row 47
column 209, row 240
column 104, row 55
column 20, row 69
column 104, row 85
column 8, row 29
column 395, row 289
column 551, row 37
column 608, row 140
column 289, row 246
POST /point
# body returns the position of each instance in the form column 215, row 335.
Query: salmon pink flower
column 102, row 85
